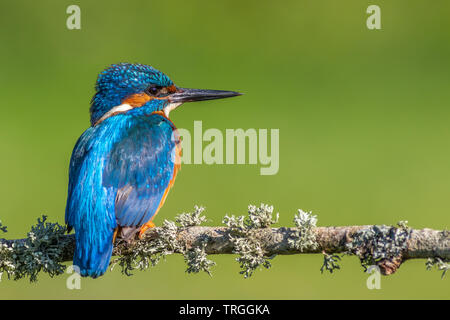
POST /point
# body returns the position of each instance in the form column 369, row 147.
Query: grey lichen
column 197, row 260
column 40, row 251
column 379, row 244
column 243, row 236
column 195, row 257
column 403, row 224
column 261, row 217
column 190, row 219
column 439, row 263
column 6, row 264
column 3, row 228
column 145, row 253
column 304, row 237
column 235, row 223
column 330, row 262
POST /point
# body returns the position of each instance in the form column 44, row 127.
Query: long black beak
column 190, row 95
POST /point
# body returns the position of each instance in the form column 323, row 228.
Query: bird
column 123, row 166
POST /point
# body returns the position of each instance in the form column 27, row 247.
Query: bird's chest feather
column 147, row 147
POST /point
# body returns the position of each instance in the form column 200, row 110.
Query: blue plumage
column 121, row 80
column 118, row 174
column 141, row 166
column 124, row 164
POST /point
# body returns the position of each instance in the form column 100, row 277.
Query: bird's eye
column 153, row 90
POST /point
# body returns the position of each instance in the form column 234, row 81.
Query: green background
column 363, row 118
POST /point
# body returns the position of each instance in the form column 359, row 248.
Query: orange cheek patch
column 172, row 89
column 137, row 99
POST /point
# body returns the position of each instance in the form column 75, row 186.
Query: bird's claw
column 145, row 227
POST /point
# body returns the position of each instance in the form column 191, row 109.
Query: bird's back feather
column 120, row 171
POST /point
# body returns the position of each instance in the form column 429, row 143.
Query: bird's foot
column 145, row 227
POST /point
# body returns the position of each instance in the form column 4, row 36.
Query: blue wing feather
column 119, row 171
column 90, row 206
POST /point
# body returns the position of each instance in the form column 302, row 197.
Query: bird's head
column 141, row 89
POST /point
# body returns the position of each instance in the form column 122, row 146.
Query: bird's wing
column 90, row 205
column 79, row 173
column 141, row 168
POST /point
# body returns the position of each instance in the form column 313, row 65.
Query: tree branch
column 251, row 238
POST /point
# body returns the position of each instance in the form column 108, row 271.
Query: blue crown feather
column 119, row 81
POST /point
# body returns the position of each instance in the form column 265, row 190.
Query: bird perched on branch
column 123, row 166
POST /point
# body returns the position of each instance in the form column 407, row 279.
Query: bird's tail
column 92, row 257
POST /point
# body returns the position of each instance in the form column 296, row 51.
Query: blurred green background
column 363, row 118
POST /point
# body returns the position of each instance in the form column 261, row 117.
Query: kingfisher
column 123, row 166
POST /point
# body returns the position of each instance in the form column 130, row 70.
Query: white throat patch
column 125, row 107
column 171, row 106
column 120, row 108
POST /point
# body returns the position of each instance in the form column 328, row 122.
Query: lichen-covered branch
column 251, row 237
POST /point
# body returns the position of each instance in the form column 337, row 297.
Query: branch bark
column 419, row 244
